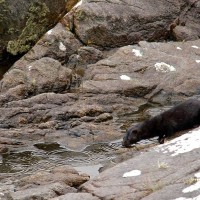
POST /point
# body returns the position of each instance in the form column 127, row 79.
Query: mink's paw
column 161, row 140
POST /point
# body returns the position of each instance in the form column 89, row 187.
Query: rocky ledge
column 168, row 171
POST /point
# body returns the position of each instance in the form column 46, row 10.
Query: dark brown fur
column 183, row 116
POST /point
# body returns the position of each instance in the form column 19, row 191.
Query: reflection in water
column 17, row 161
column 48, row 146
column 54, row 154
column 91, row 170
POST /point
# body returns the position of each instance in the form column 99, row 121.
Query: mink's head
column 132, row 136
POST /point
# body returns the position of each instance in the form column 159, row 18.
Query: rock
column 24, row 22
column 133, row 88
column 108, row 29
column 44, row 75
column 112, row 88
column 41, row 192
column 105, row 24
column 167, row 175
column 64, row 174
column 47, row 125
column 44, row 184
column 86, row 55
column 64, row 169
column 86, row 110
column 76, row 196
column 150, row 70
column 183, row 33
column 66, row 101
column 58, row 43
column 90, row 55
column 3, row 149
column 144, row 82
column 189, row 22
column 104, row 117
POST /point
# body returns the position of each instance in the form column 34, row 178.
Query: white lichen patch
column 164, row 67
column 182, row 144
column 62, row 47
column 78, row 4
column 195, row 47
column 125, row 77
column 197, row 61
column 1, row 194
column 192, row 188
column 197, row 175
column 49, row 32
column 179, row 48
column 132, row 173
column 29, row 68
column 195, row 186
column 137, row 52
column 183, row 198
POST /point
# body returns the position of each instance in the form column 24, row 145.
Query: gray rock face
column 34, row 79
column 46, row 185
column 111, row 24
column 86, row 55
column 188, row 22
column 76, row 196
column 112, row 87
column 150, row 70
column 41, row 192
column 57, row 43
column 153, row 70
column 166, row 176
column 65, row 174
column 183, row 33
column 24, row 22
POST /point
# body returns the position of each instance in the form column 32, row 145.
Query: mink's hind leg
column 161, row 139
column 168, row 131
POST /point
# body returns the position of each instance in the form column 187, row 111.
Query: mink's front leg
column 161, row 139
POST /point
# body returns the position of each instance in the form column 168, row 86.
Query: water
column 49, row 155
column 90, row 159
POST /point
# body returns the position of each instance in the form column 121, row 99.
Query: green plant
column 162, row 165
column 191, row 181
column 153, row 186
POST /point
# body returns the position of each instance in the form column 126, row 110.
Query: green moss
column 3, row 11
column 3, row 16
column 35, row 26
column 80, row 15
column 11, row 31
column 70, row 4
column 16, row 47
